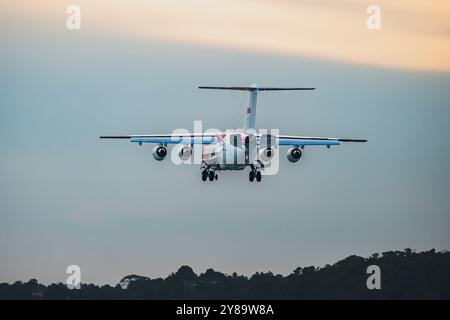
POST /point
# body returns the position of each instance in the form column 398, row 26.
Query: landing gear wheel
column 258, row 176
column 211, row 175
column 216, row 176
column 204, row 175
column 251, row 176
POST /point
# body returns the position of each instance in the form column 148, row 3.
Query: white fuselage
column 230, row 153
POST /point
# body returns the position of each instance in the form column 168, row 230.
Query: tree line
column 404, row 275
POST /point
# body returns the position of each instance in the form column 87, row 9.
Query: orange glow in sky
column 414, row 34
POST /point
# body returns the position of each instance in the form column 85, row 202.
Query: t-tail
column 250, row 108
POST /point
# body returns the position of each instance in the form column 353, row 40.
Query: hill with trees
column 404, row 275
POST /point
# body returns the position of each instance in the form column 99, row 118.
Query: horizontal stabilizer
column 254, row 88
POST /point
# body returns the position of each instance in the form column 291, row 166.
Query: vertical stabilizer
column 250, row 109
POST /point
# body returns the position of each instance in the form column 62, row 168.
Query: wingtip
column 115, row 137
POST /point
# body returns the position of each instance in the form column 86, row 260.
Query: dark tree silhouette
column 404, row 275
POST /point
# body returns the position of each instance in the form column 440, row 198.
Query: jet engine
column 159, row 152
column 266, row 154
column 185, row 152
column 294, row 154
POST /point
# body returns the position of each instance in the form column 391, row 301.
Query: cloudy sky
column 68, row 198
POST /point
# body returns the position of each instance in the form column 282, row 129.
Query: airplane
column 234, row 149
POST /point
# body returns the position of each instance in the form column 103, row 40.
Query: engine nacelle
column 159, row 152
column 266, row 154
column 294, row 154
column 185, row 153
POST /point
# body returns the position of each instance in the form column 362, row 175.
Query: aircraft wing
column 188, row 138
column 313, row 141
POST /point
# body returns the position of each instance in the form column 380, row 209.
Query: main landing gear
column 209, row 173
column 254, row 174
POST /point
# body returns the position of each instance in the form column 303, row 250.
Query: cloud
column 414, row 34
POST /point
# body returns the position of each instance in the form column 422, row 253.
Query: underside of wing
column 313, row 141
column 184, row 138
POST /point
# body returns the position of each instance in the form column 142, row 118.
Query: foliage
column 404, row 275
